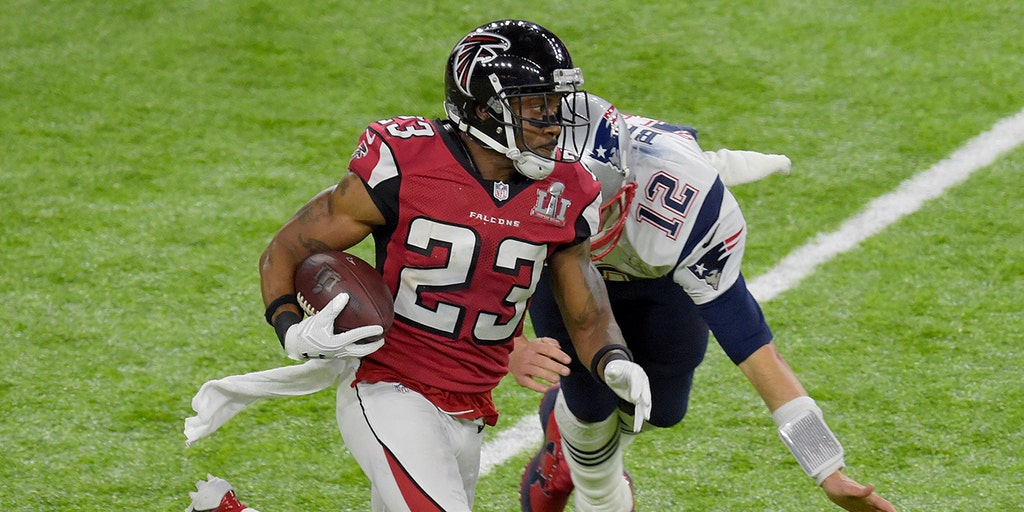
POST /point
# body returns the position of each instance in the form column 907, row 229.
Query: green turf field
column 149, row 150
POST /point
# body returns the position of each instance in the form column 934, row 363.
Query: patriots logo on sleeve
column 477, row 47
column 712, row 263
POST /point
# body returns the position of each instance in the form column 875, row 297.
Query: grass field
column 149, row 150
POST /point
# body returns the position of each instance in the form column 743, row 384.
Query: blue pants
column 662, row 327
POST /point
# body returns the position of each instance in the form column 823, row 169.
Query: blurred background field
column 149, row 150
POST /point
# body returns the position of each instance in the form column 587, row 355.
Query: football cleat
column 215, row 495
column 546, row 483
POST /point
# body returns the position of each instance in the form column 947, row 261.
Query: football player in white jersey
column 670, row 247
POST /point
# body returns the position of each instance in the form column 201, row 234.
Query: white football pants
column 418, row 459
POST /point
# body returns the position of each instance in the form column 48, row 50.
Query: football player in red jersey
column 465, row 213
column 670, row 250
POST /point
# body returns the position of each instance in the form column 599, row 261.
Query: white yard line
column 908, row 197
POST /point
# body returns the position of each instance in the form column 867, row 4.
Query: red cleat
column 215, row 495
column 546, row 483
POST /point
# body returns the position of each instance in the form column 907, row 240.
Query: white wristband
column 802, row 428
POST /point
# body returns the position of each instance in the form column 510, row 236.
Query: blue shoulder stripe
column 706, row 219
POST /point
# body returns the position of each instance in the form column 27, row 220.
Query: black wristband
column 283, row 322
column 288, row 298
column 624, row 354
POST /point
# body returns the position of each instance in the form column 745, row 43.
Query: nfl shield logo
column 500, row 191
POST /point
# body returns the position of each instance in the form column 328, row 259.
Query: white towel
column 217, row 401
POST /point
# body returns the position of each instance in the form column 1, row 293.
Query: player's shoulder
column 405, row 127
column 640, row 124
column 402, row 135
column 387, row 142
column 576, row 176
column 668, row 149
column 678, row 160
column 399, row 120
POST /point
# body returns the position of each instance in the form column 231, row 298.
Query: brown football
column 322, row 276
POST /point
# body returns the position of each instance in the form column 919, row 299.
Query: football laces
column 305, row 305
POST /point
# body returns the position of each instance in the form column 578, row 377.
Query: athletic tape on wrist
column 803, row 429
column 283, row 322
column 288, row 298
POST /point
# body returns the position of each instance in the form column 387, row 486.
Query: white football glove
column 628, row 380
column 314, row 338
column 738, row 167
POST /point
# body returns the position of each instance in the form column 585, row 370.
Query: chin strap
column 526, row 163
column 529, row 164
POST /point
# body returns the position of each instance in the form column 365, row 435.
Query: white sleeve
column 217, row 401
column 738, row 167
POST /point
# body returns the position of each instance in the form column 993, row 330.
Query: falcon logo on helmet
column 481, row 47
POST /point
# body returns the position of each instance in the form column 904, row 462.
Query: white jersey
column 682, row 221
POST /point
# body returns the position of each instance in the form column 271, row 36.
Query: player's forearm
column 591, row 330
column 277, row 271
column 800, row 421
column 773, row 379
column 583, row 302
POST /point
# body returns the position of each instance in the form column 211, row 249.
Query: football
column 322, row 276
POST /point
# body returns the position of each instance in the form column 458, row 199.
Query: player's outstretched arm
column 772, row 377
column 738, row 167
column 538, row 364
column 796, row 414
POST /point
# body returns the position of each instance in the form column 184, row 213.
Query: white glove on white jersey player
column 628, row 380
column 737, row 167
column 314, row 337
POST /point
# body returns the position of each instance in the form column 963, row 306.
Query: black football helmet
column 503, row 60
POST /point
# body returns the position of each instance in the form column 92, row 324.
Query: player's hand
column 628, row 380
column 776, row 164
column 847, row 493
column 542, row 359
column 314, row 337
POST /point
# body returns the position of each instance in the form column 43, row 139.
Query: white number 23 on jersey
column 462, row 246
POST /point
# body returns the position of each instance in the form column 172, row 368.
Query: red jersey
column 462, row 256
